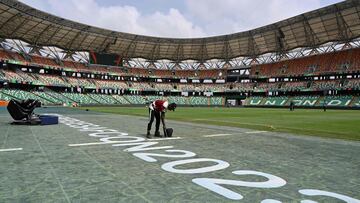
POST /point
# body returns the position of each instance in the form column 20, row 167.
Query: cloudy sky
column 178, row 18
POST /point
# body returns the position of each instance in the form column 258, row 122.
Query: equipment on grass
column 49, row 119
column 22, row 111
column 168, row 132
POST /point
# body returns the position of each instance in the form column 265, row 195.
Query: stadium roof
column 338, row 22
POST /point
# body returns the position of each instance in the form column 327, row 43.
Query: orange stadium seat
column 4, row 55
column 314, row 64
column 43, row 61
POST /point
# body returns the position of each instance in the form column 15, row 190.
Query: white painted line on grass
column 169, row 138
column 216, row 135
column 11, row 149
column 117, row 142
column 93, row 143
column 254, row 132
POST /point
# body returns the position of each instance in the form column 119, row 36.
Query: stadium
column 266, row 115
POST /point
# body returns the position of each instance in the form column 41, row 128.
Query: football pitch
column 92, row 156
column 340, row 124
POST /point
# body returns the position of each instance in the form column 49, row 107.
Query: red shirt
column 160, row 105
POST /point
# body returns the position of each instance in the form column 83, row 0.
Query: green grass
column 340, row 124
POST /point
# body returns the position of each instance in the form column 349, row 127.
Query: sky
column 178, row 18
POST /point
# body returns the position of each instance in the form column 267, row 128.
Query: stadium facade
column 311, row 60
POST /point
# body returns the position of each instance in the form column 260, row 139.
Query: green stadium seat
column 356, row 102
column 304, row 100
column 198, row 101
column 60, row 97
column 135, row 99
column 216, row 101
column 103, row 98
column 23, row 95
column 254, row 101
column 80, row 98
column 276, row 101
column 338, row 101
column 178, row 100
column 120, row 99
column 46, row 96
